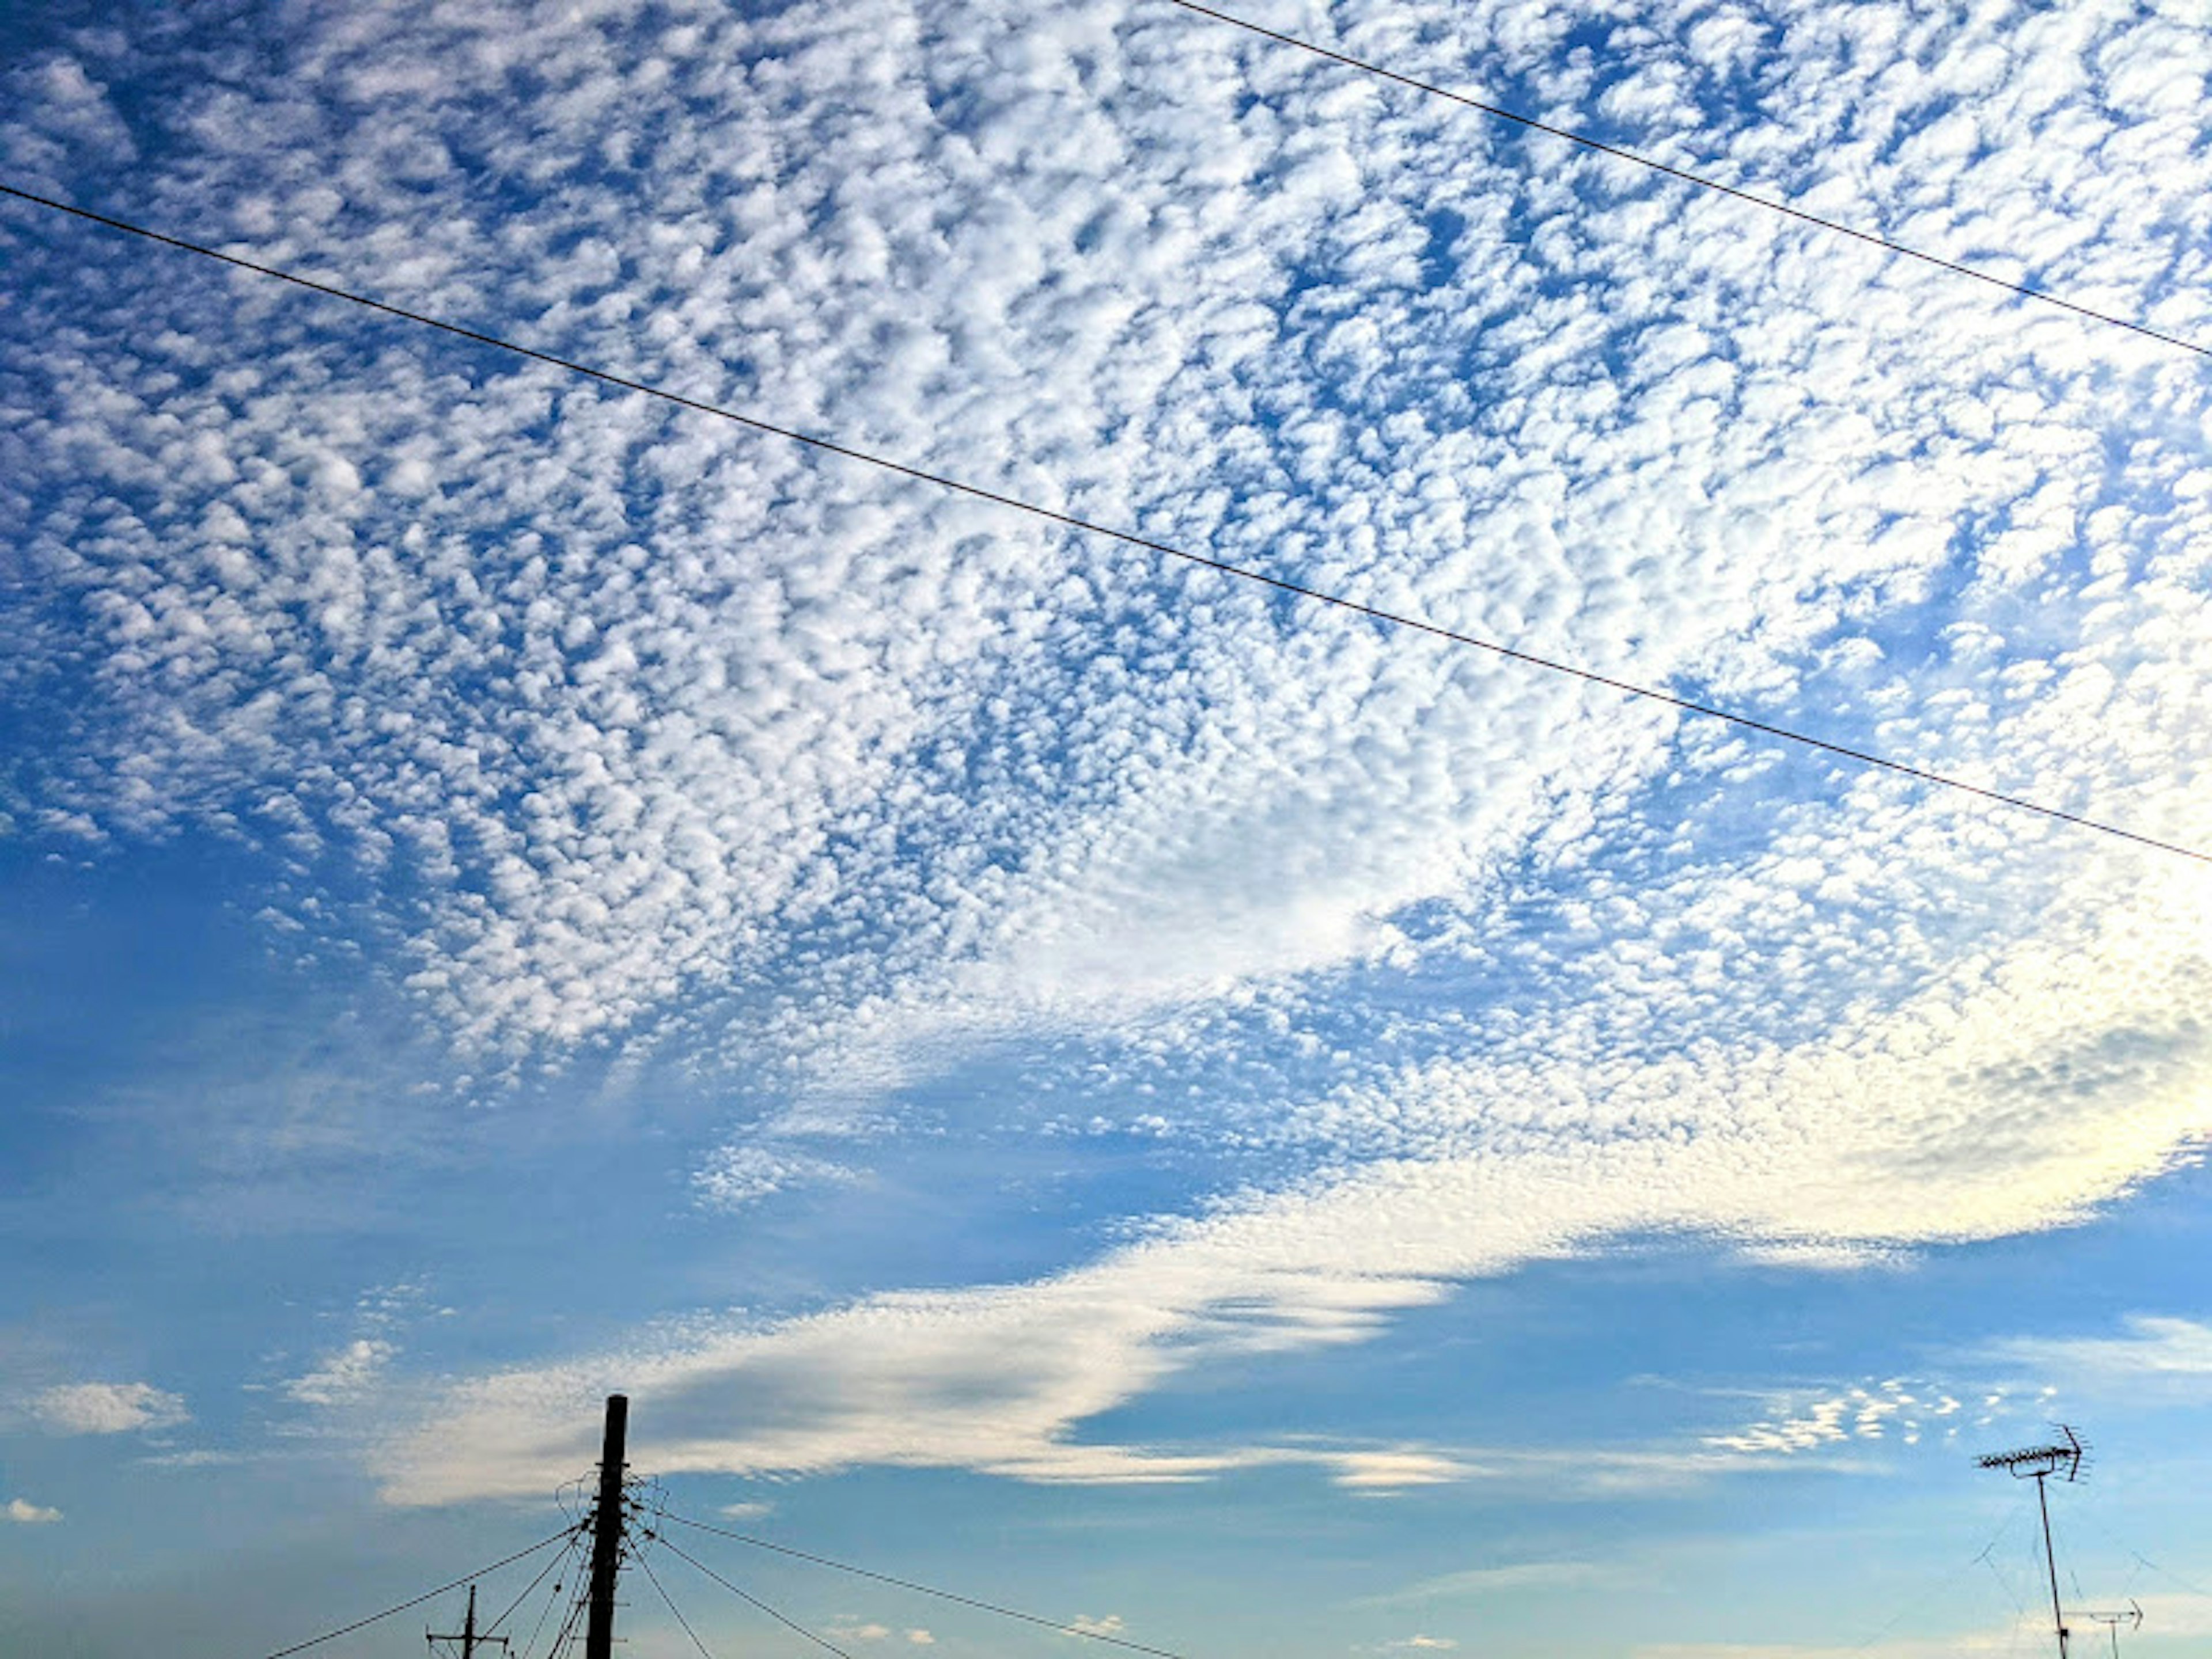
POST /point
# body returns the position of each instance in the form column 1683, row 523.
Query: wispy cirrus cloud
column 1501, row 1578
column 2152, row 1356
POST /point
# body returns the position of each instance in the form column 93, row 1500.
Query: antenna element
column 2038, row 1464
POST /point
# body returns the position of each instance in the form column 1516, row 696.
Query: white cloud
column 1459, row 1170
column 1906, row 1410
column 595, row 778
column 23, row 1512
column 851, row 1631
column 108, row 1408
column 351, row 1374
column 200, row 1457
column 1492, row 1580
column 738, row 1175
column 2159, row 1354
column 344, row 1376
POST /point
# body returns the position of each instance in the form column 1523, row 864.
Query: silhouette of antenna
column 2038, row 1464
column 2113, row 1621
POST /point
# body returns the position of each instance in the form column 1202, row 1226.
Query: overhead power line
column 746, row 1595
column 1038, row 1619
column 1702, row 181
column 1053, row 515
column 543, row 1573
column 418, row 1601
column 576, row 1596
column 670, row 1600
column 571, row 1622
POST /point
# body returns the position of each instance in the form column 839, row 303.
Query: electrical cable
column 682, row 1554
column 1700, row 180
column 492, row 1629
column 1988, row 1558
column 2136, row 1556
column 978, row 492
column 545, row 1612
column 1960, row 1570
column 923, row 1589
column 416, row 1601
column 673, row 1608
column 565, row 1637
column 2175, row 1577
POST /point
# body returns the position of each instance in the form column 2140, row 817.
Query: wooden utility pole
column 468, row 1638
column 607, row 1532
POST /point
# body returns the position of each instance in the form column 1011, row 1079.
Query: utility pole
column 2038, row 1464
column 468, row 1638
column 607, row 1532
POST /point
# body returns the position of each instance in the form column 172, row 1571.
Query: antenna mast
column 607, row 1532
column 2038, row 1464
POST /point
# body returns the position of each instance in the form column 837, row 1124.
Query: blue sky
column 1041, row 1070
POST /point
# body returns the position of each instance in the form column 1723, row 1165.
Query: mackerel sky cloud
column 522, row 890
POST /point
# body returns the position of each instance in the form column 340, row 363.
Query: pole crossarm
column 468, row 1636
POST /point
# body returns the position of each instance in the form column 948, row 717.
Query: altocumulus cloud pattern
column 591, row 729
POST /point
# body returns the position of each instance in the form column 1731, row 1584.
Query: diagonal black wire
column 416, row 1601
column 1701, row 180
column 670, row 1600
column 682, row 1554
column 923, row 1589
column 492, row 1628
column 545, row 1612
column 1052, row 516
column 565, row 1637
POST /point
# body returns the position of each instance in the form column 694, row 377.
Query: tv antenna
column 2113, row 1621
column 2038, row 1464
